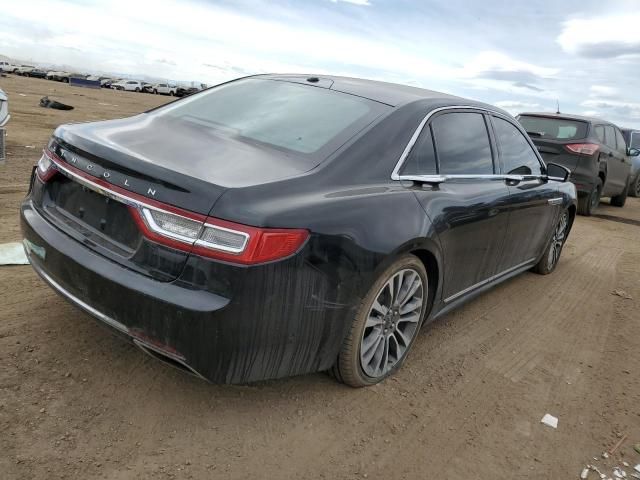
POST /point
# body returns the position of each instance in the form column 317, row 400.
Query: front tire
column 634, row 188
column 551, row 256
column 386, row 324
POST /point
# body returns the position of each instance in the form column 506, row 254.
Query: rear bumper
column 278, row 320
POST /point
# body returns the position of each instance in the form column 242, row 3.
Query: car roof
column 568, row 116
column 392, row 94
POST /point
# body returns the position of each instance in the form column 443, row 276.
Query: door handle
column 513, row 179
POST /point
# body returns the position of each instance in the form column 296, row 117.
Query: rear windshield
column 286, row 115
column 553, row 128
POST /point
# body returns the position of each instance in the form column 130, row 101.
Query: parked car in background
column 4, row 108
column 594, row 150
column 186, row 91
column 108, row 82
column 7, row 66
column 22, row 69
column 147, row 87
column 128, row 85
column 35, row 73
column 633, row 141
column 165, row 89
column 54, row 75
column 336, row 216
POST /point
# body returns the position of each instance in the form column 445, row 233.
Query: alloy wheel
column 557, row 240
column 392, row 322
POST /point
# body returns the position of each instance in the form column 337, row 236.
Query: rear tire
column 620, row 200
column 551, row 256
column 588, row 204
column 634, row 188
column 386, row 324
column 137, row 90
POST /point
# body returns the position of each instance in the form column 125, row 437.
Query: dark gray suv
column 593, row 149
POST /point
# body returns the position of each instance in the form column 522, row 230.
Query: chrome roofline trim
column 395, row 175
column 488, row 280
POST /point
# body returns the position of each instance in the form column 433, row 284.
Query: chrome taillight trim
column 116, row 195
column 151, row 223
column 141, row 206
column 223, row 248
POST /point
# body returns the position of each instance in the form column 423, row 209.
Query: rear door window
column 553, row 128
column 610, row 136
column 599, row 130
column 621, row 144
column 518, row 158
column 462, row 144
column 422, row 157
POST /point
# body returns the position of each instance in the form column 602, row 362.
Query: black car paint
column 610, row 165
column 232, row 323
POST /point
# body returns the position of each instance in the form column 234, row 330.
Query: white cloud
column 363, row 3
column 616, row 108
column 603, row 91
column 516, row 106
column 491, row 61
column 602, row 36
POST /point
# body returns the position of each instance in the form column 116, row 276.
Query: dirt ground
column 77, row 402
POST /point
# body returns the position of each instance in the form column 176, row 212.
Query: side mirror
column 557, row 172
column 634, row 152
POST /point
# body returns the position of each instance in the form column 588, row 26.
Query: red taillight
column 219, row 239
column 260, row 245
column 45, row 168
column 583, row 148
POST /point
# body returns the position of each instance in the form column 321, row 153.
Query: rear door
column 625, row 161
column 469, row 208
column 616, row 169
column 534, row 201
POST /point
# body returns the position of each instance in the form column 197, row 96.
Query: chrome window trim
column 438, row 178
column 444, row 178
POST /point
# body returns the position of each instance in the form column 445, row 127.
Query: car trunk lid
column 106, row 164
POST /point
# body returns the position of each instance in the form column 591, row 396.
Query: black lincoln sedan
column 280, row 224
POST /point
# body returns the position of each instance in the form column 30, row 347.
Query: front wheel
column 634, row 188
column 549, row 260
column 385, row 325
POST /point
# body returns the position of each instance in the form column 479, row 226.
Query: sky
column 519, row 55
